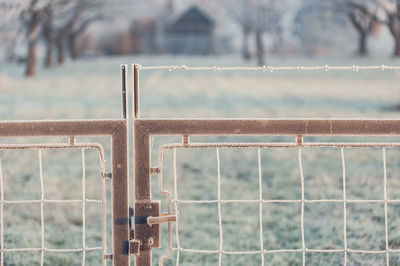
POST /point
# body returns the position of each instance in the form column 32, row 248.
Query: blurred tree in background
column 55, row 30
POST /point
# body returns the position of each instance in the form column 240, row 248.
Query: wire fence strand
column 344, row 205
column 386, row 206
column 2, row 214
column 221, row 236
column 41, row 207
column 260, row 198
column 83, row 208
column 266, row 68
column 303, row 243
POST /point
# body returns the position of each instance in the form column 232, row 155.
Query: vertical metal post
column 142, row 164
column 120, row 183
column 120, row 197
column 136, row 91
column 124, row 73
column 148, row 237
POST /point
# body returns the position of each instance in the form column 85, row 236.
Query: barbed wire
column 266, row 68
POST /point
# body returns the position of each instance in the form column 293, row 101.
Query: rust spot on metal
column 299, row 139
column 154, row 170
column 185, row 139
column 134, row 247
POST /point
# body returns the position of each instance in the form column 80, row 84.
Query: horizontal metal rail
column 61, row 128
column 305, row 127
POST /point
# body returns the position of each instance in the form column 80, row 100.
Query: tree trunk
column 363, row 24
column 245, row 45
column 67, row 29
column 260, row 48
column 48, row 34
column 74, row 34
column 32, row 35
column 362, row 45
column 31, row 60
column 61, row 52
column 394, row 27
column 48, row 62
column 72, row 47
column 397, row 47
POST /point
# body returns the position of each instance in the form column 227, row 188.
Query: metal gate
column 136, row 231
column 117, row 130
column 147, row 212
column 149, row 236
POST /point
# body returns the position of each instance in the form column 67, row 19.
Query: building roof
column 192, row 20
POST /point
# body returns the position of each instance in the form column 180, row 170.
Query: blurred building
column 159, row 29
column 190, row 32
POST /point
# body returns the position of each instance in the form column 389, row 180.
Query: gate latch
column 163, row 218
column 145, row 226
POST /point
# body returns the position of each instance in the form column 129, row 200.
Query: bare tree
column 12, row 30
column 70, row 16
column 258, row 17
column 64, row 21
column 31, row 18
column 77, row 31
column 48, row 33
column 243, row 14
column 268, row 18
column 363, row 16
column 392, row 11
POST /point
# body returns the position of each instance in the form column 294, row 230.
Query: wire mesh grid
column 173, row 203
column 84, row 201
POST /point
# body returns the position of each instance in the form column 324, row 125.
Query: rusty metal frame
column 117, row 130
column 148, row 236
column 145, row 128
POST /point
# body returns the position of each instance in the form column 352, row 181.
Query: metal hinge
column 145, row 229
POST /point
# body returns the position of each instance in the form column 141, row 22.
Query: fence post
column 120, row 184
column 147, row 236
column 120, row 197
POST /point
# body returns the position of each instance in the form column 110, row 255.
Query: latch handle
column 163, row 218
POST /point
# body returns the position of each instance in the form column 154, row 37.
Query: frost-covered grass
column 91, row 89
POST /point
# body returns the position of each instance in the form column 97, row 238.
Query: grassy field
column 91, row 89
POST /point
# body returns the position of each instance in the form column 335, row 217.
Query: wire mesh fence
column 344, row 249
column 43, row 249
column 57, row 198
